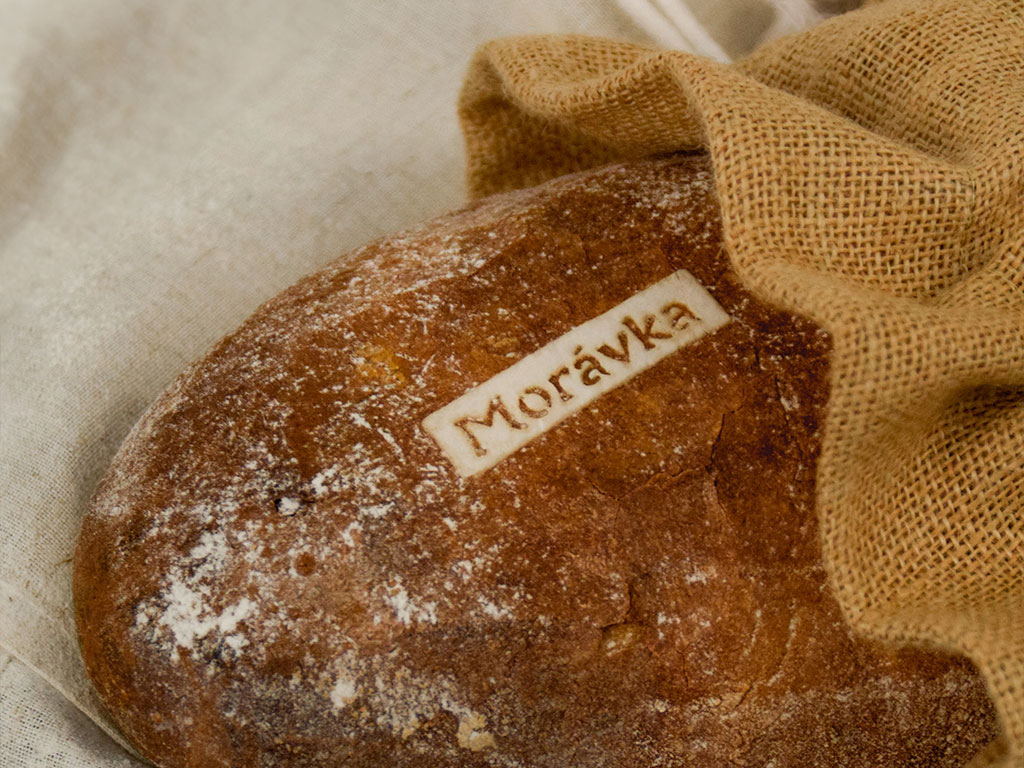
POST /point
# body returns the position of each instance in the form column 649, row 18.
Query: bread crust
column 282, row 567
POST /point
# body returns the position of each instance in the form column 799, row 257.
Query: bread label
column 496, row 418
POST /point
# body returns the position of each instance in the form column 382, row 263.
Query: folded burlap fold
column 871, row 176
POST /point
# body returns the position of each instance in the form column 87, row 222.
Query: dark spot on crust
column 305, row 563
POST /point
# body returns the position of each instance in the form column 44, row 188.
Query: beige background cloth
column 871, row 176
column 166, row 166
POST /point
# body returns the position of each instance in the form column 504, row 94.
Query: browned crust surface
column 282, row 568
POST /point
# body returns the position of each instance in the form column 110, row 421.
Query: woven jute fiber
column 871, row 176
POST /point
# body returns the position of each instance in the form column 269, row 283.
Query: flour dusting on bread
column 283, row 567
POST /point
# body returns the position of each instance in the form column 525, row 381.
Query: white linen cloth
column 164, row 168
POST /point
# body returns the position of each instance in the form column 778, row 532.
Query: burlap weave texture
column 871, row 176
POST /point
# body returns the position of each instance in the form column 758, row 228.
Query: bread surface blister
column 506, row 490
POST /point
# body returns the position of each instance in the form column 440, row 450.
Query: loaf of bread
column 532, row 485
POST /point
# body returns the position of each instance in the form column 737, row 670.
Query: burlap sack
column 871, row 176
